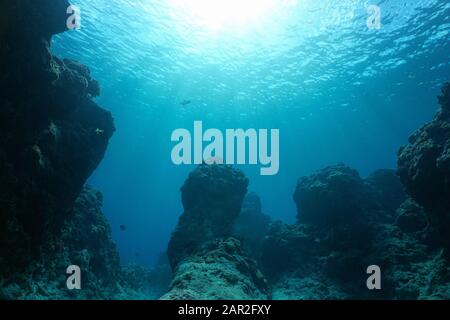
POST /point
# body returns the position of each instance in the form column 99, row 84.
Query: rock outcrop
column 219, row 270
column 252, row 225
column 387, row 189
column 207, row 262
column 325, row 257
column 49, row 142
column 346, row 223
column 410, row 217
column 212, row 197
column 424, row 167
column 331, row 196
column 84, row 240
column 329, row 244
column 52, row 137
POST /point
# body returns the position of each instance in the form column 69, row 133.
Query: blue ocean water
column 338, row 90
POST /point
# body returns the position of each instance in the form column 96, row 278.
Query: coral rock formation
column 330, row 196
column 48, row 144
column 325, row 257
column 218, row 270
column 85, row 240
column 212, row 197
column 252, row 225
column 424, row 167
column 387, row 189
column 207, row 262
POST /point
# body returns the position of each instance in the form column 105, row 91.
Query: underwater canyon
column 54, row 134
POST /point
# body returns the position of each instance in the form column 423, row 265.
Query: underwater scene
column 224, row 150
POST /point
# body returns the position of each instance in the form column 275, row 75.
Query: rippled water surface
column 337, row 90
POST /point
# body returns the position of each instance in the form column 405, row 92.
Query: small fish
column 99, row 131
column 123, row 227
column 185, row 102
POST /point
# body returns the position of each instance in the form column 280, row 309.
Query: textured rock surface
column 252, row 225
column 139, row 283
column 387, row 189
column 317, row 260
column 287, row 248
column 411, row 217
column 212, row 197
column 410, row 269
column 346, row 224
column 49, row 146
column 336, row 209
column 48, row 140
column 218, row 270
column 53, row 135
column 207, row 262
column 330, row 196
column 424, row 167
column 85, row 241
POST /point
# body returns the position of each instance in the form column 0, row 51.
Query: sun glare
column 218, row 15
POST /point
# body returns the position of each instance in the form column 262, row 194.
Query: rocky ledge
column 53, row 135
column 424, row 167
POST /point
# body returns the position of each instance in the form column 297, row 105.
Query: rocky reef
column 48, row 140
column 316, row 259
column 212, row 197
column 221, row 270
column 424, row 168
column 329, row 244
column 345, row 223
column 387, row 189
column 207, row 262
column 84, row 240
column 252, row 225
column 141, row 283
column 52, row 137
column 331, row 196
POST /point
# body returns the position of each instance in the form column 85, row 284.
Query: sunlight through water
column 338, row 90
column 220, row 15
